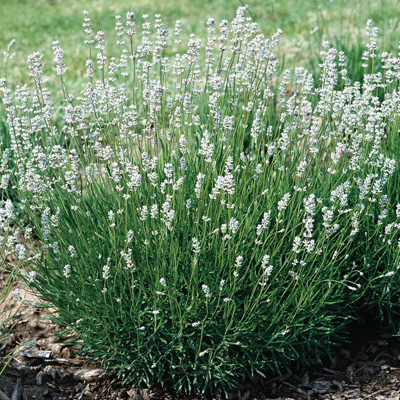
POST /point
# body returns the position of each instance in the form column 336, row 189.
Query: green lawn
column 35, row 24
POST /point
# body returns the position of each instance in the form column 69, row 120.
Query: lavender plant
column 8, row 318
column 203, row 220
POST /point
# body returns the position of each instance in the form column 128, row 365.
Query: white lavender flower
column 282, row 204
column 72, row 251
column 206, row 290
column 233, row 225
column 196, row 245
column 67, row 271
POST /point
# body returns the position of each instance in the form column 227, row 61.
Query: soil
column 369, row 368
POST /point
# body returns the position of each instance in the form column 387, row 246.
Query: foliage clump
column 9, row 245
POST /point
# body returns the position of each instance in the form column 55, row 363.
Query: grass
column 48, row 20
